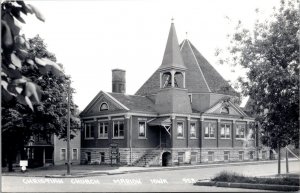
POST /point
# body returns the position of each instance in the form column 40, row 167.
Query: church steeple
column 172, row 57
column 172, row 96
column 172, row 69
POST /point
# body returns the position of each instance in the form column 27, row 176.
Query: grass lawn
column 237, row 178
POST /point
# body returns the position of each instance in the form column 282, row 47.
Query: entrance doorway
column 166, row 159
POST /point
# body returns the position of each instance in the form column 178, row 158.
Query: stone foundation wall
column 153, row 156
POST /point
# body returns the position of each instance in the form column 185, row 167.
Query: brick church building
column 185, row 113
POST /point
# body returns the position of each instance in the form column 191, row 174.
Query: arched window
column 225, row 110
column 178, row 80
column 103, row 107
column 166, row 80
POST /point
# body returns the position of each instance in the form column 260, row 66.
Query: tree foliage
column 270, row 54
column 15, row 55
column 34, row 87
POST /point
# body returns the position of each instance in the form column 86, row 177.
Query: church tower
column 172, row 96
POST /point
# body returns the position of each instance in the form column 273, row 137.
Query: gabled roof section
column 215, row 82
column 134, row 102
column 233, row 109
column 151, row 86
column 99, row 96
column 195, row 80
column 172, row 57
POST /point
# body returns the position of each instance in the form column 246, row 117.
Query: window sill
column 180, row 138
column 209, row 138
column 193, row 137
column 102, row 137
column 118, row 138
column 142, row 137
column 226, row 138
column 240, row 139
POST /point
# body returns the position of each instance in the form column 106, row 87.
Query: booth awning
column 162, row 121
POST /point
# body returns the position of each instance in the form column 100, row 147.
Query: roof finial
column 172, row 20
column 186, row 35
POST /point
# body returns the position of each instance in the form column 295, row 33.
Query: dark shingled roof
column 134, row 102
column 201, row 77
column 215, row 81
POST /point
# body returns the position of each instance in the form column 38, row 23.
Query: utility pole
column 279, row 158
column 68, row 132
column 287, row 160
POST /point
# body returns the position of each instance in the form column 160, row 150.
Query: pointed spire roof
column 201, row 77
column 172, row 57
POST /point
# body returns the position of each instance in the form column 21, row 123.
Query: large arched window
column 103, row 107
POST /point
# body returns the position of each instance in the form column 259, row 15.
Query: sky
column 90, row 38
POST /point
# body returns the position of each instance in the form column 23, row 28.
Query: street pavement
column 156, row 181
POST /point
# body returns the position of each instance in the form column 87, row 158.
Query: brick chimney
column 118, row 81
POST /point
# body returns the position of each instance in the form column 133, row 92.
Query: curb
column 249, row 186
column 97, row 173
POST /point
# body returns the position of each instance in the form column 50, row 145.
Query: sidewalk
column 97, row 170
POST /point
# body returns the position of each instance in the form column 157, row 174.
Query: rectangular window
column 118, row 129
column 210, row 156
column 210, row 128
column 180, row 157
column 103, row 130
column 142, row 129
column 251, row 155
column 74, row 154
column 226, row 155
column 241, row 155
column 225, row 130
column 102, row 157
column 180, row 129
column 63, row 154
column 264, row 155
column 193, row 157
column 193, row 130
column 240, row 131
column 89, row 130
column 88, row 157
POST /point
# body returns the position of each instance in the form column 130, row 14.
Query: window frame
column 73, row 153
column 179, row 154
column 212, row 155
column 145, row 132
column 241, row 153
column 102, row 157
column 100, row 107
column 194, row 154
column 193, row 137
column 251, row 153
column 209, row 126
column 225, row 129
column 61, row 153
column 180, row 122
column 227, row 153
column 238, row 128
column 118, row 121
column 88, row 126
column 103, row 124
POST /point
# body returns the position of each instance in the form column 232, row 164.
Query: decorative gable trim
column 219, row 104
column 198, row 66
column 100, row 95
column 116, row 101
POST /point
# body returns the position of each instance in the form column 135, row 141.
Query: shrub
column 225, row 176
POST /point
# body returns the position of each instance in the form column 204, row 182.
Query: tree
column 33, row 86
column 14, row 55
column 49, row 117
column 270, row 54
